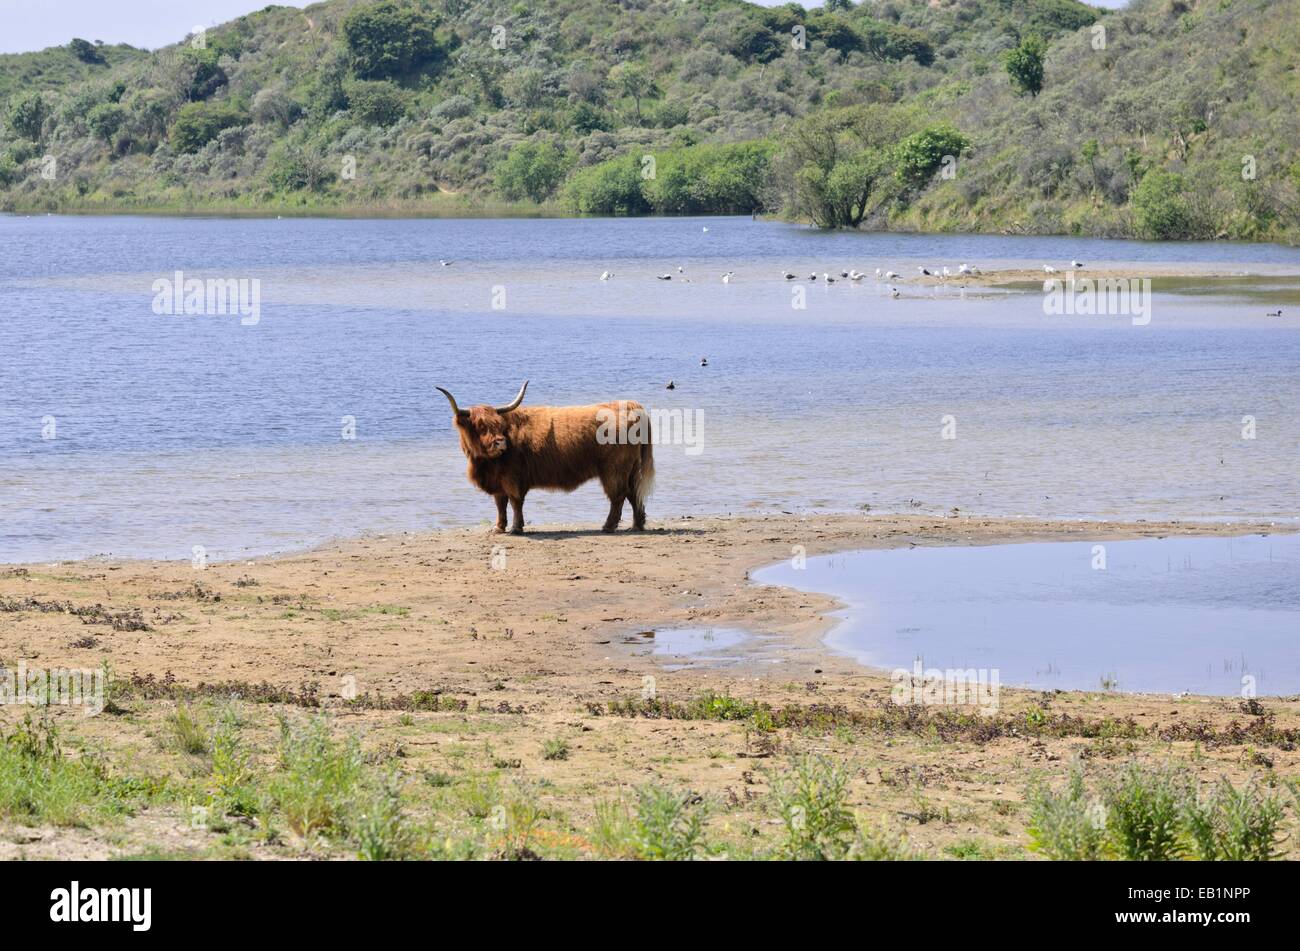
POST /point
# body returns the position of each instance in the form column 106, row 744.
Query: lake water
column 167, row 432
column 1153, row 615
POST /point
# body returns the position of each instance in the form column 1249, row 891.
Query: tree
column 375, row 102
column 296, row 168
column 839, row 161
column 610, row 188
column 532, row 170
column 1025, row 65
column 586, row 118
column 1161, row 205
column 922, row 154
column 755, row 42
column 27, row 116
column 527, row 87
column 889, row 42
column 206, row 76
column 105, row 119
column 273, row 104
column 1090, row 150
column 633, row 81
column 838, row 35
column 86, row 51
column 389, row 39
column 198, row 123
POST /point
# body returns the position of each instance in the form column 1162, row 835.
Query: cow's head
column 484, row 430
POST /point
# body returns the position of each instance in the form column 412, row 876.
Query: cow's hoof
column 517, row 530
column 608, row 529
column 500, row 529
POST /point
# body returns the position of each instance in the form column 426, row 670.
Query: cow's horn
column 455, row 410
column 518, row 399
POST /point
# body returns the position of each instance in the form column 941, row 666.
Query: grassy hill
column 61, row 66
column 898, row 113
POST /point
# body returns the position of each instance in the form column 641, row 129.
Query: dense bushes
column 105, row 119
column 709, row 179
column 375, row 102
column 1153, row 814
column 1182, row 92
column 390, row 39
column 27, row 115
column 698, row 179
column 610, row 188
column 531, row 171
column 199, row 123
column 843, row 163
column 888, row 42
column 1161, row 205
column 923, row 153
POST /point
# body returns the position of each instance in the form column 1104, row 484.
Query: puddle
column 697, row 645
column 1205, row 615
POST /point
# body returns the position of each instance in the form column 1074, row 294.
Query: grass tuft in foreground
column 1145, row 813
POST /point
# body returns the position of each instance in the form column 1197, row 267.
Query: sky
column 35, row 24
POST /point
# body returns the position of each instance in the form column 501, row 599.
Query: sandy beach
column 541, row 645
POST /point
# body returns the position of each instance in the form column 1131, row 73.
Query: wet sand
column 399, row 612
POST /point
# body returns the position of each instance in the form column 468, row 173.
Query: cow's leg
column 517, row 507
column 638, row 502
column 501, row 512
column 615, row 512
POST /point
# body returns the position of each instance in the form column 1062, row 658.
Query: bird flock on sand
column 852, row 275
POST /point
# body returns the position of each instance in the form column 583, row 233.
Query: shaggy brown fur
column 512, row 451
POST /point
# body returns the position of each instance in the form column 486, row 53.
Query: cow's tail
column 645, row 478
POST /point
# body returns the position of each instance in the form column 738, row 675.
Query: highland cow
column 513, row 449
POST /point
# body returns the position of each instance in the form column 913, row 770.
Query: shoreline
column 507, row 211
column 1223, row 524
column 357, row 575
column 466, row 679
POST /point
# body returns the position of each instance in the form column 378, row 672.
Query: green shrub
column 531, row 171
column 669, row 825
column 587, row 118
column 1144, row 807
column 86, row 51
column 922, row 154
column 318, row 778
column 187, row 733
column 1153, row 814
column 888, row 41
column 1161, row 205
column 709, row 179
column 105, row 119
column 206, row 76
column 232, row 771
column 1067, row 826
column 1230, row 825
column 39, row 784
column 379, row 827
column 610, row 188
column 199, row 123
column 555, row 749
column 375, row 102
column 27, row 115
column 1025, row 65
column 390, row 39
column 812, row 802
